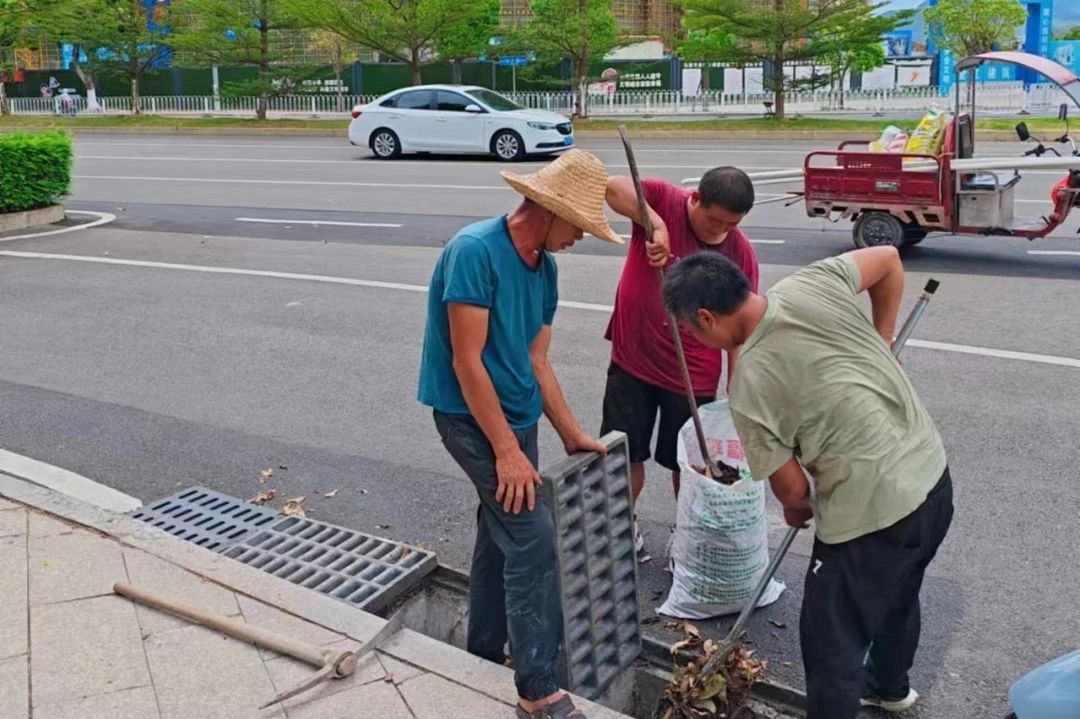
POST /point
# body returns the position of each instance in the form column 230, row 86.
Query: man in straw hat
column 485, row 372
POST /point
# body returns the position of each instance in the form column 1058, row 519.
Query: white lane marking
column 1071, row 253
column 103, row 218
column 65, row 482
column 320, row 183
column 380, row 165
column 767, row 242
column 316, row 223
column 925, row 344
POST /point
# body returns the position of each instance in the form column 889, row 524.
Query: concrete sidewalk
column 69, row 647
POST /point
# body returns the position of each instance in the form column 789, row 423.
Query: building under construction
column 634, row 17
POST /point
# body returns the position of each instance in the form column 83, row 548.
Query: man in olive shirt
column 818, row 392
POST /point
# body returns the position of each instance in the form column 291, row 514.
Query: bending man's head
column 704, row 292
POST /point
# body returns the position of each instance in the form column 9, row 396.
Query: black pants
column 860, row 616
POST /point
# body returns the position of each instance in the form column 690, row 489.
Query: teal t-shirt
column 480, row 266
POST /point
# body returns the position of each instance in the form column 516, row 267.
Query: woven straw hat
column 574, row 187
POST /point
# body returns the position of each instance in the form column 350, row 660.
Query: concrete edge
column 444, row 660
column 66, row 482
column 987, row 135
column 25, row 219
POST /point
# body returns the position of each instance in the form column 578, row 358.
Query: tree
column 857, row 48
column 581, row 31
column 409, row 31
column 239, row 32
column 13, row 31
column 469, row 36
column 1072, row 34
column 340, row 52
column 970, row 27
column 778, row 32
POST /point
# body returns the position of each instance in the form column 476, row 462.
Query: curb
column 12, row 221
column 794, row 135
column 434, row 657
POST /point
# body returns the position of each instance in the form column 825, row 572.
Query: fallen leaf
column 382, row 526
column 406, row 551
column 294, row 507
column 282, row 466
column 691, row 630
column 332, row 493
column 680, row 645
column 714, row 687
column 389, row 678
column 671, row 625
column 263, row 497
column 265, row 475
column 363, row 491
column 778, row 624
column 644, row 559
column 650, row 620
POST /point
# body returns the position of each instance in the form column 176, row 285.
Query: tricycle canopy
column 1060, row 75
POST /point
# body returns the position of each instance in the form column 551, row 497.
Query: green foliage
column 35, row 170
column 416, row 32
column 14, row 31
column 784, row 31
column 1072, row 34
column 970, row 27
column 582, row 31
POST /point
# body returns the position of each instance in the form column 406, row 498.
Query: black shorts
column 630, row 406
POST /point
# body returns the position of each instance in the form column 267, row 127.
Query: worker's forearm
column 622, row 197
column 555, row 407
column 483, row 403
column 885, row 296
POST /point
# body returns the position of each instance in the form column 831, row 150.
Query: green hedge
column 35, row 170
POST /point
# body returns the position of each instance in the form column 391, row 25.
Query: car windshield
column 494, row 100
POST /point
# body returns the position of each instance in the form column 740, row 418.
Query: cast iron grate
column 204, row 517
column 590, row 498
column 366, row 571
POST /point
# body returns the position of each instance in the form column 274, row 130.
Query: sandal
column 562, row 709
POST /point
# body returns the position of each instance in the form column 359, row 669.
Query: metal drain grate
column 204, row 517
column 590, row 497
column 363, row 570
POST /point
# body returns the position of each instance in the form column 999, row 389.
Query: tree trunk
column 264, row 62
column 3, row 99
column 583, row 95
column 88, row 82
column 339, row 66
column 414, row 66
column 136, row 104
column 779, row 86
column 456, row 68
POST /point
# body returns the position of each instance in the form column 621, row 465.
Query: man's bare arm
column 516, row 474
column 555, row 407
column 792, row 488
column 622, row 197
column 883, row 279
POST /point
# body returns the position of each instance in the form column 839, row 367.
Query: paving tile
column 267, row 617
column 72, row 566
column 85, row 647
column 202, row 673
column 13, row 636
column 148, row 572
column 12, row 522
column 8, row 504
column 400, row 671
column 42, row 525
column 370, row 701
column 286, row 672
column 432, row 697
column 137, row 703
column 13, row 686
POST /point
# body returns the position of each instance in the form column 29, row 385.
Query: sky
column 1066, row 12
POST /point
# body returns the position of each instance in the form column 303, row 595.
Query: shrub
column 35, row 170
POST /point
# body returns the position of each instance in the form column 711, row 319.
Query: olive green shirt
column 815, row 380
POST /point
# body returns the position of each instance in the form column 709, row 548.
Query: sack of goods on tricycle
column 900, row 187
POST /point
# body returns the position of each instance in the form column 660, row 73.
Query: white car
column 456, row 119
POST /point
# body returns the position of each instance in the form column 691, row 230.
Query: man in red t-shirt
column 644, row 375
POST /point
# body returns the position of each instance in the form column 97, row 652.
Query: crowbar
column 713, row 664
column 332, row 664
column 714, row 470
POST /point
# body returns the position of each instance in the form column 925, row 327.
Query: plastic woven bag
column 720, row 547
column 929, row 135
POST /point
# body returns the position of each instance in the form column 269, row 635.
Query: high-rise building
column 634, row 17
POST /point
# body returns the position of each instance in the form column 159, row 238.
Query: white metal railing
column 990, row 97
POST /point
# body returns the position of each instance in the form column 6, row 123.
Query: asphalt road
column 151, row 378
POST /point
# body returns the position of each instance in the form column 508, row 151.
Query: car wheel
column 875, row 229
column 508, row 146
column 385, row 144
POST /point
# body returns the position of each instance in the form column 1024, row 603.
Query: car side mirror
column 474, row 109
column 1022, row 132
column 1063, row 112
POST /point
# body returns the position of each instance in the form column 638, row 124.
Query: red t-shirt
column 639, row 332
